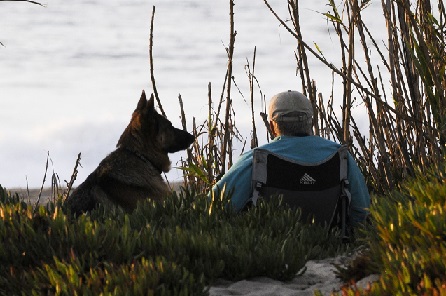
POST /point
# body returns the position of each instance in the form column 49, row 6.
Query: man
column 291, row 116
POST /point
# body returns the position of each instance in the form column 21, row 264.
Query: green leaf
column 333, row 18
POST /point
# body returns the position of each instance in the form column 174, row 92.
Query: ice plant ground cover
column 188, row 242
column 178, row 247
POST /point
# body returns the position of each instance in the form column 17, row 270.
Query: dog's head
column 149, row 128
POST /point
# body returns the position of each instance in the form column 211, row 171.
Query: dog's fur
column 133, row 171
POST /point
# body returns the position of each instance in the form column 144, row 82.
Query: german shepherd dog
column 133, row 171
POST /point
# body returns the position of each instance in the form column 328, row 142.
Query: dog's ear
column 151, row 104
column 142, row 101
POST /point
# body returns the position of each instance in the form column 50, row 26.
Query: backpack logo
column 307, row 180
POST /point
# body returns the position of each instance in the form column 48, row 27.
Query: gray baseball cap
column 290, row 106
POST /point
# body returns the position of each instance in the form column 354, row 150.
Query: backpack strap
column 345, row 193
column 260, row 157
column 343, row 155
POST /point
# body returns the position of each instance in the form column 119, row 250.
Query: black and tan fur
column 133, row 171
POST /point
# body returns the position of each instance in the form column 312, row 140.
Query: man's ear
column 142, row 101
column 273, row 128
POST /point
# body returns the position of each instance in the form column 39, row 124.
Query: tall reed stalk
column 227, row 124
column 406, row 115
column 212, row 156
column 29, row 1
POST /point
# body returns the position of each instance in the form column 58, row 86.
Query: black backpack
column 319, row 189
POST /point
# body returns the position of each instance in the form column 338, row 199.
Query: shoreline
column 32, row 194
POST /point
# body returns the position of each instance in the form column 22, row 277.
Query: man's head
column 290, row 114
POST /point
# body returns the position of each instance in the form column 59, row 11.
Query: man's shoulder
column 304, row 141
column 319, row 139
column 309, row 149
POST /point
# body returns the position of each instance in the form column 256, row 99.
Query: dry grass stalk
column 211, row 139
column 36, row 206
column 152, row 76
column 29, row 1
column 406, row 117
column 55, row 187
column 251, row 77
column 227, row 122
column 73, row 175
column 410, row 130
column 352, row 5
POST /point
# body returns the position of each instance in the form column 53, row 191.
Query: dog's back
column 82, row 198
column 133, row 171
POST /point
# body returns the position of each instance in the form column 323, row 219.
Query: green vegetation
column 407, row 245
column 183, row 245
column 410, row 243
column 178, row 247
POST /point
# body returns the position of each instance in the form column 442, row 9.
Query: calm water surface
column 71, row 73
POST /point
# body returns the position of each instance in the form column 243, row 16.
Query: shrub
column 177, row 247
column 411, row 237
column 407, row 242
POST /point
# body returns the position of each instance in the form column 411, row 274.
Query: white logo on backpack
column 307, row 180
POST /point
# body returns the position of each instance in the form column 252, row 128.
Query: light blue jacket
column 309, row 150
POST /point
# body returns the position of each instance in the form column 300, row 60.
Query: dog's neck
column 145, row 159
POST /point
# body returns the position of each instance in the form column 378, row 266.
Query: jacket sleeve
column 360, row 202
column 237, row 181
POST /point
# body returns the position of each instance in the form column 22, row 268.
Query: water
column 71, row 73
